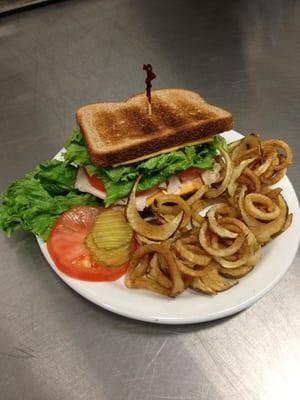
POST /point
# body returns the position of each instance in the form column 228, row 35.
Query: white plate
column 191, row 307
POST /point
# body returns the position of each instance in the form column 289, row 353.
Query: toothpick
column 150, row 76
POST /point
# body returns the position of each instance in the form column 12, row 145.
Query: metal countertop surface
column 240, row 55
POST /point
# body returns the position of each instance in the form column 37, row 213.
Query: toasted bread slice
column 116, row 133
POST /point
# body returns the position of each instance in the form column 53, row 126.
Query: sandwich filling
column 181, row 172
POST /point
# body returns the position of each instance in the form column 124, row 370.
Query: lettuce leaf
column 118, row 181
column 34, row 202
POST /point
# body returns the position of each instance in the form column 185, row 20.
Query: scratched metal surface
column 56, row 345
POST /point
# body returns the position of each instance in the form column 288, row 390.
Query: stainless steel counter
column 242, row 55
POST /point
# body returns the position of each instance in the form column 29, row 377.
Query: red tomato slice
column 95, row 181
column 191, row 172
column 66, row 246
column 148, row 192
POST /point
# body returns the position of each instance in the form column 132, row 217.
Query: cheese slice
column 201, row 141
column 187, row 187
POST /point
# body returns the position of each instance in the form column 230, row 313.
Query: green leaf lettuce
column 34, row 202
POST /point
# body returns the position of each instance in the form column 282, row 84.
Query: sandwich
column 174, row 148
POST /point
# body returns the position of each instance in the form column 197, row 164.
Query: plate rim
column 82, row 287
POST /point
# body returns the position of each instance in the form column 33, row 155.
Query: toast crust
column 119, row 132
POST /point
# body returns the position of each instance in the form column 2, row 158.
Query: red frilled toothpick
column 150, row 76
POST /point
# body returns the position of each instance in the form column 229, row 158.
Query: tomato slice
column 66, row 246
column 95, row 181
column 191, row 172
column 148, row 192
